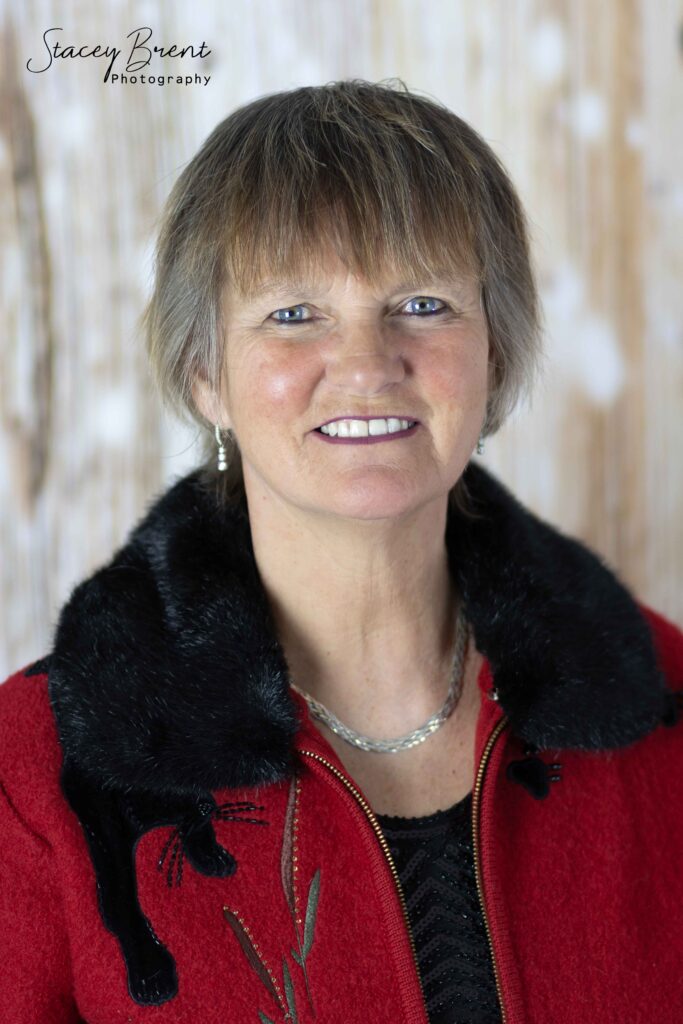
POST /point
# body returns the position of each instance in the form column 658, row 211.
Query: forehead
column 319, row 282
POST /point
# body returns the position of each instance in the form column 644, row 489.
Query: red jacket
column 178, row 842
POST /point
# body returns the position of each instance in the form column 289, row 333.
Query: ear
column 209, row 403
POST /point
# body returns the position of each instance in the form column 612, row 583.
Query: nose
column 365, row 360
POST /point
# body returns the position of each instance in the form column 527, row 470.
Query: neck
column 364, row 609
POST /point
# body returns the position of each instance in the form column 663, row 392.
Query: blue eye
column 422, row 301
column 289, row 318
column 422, row 307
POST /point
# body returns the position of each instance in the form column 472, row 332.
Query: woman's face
column 302, row 354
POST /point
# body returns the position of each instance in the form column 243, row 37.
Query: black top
column 435, row 861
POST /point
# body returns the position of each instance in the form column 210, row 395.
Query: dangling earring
column 480, row 445
column 222, row 463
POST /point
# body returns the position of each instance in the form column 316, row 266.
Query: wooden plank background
column 582, row 101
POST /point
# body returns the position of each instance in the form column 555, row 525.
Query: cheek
column 279, row 387
column 270, row 385
column 456, row 371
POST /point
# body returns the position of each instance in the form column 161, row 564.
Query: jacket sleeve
column 34, row 952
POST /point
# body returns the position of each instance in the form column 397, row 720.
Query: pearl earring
column 480, row 445
column 222, row 463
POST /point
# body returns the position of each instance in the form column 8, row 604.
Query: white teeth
column 361, row 428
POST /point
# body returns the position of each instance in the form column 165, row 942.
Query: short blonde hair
column 387, row 177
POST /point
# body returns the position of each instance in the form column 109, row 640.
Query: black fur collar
column 166, row 675
column 167, row 680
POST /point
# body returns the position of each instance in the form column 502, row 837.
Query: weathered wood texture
column 582, row 101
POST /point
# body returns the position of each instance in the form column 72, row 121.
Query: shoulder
column 667, row 643
column 26, row 720
column 667, row 639
column 30, row 752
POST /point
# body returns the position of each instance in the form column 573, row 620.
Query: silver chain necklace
column 357, row 739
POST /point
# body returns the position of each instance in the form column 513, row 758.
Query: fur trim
column 166, row 672
column 167, row 680
column 571, row 653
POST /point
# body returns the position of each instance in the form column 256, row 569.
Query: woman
column 343, row 732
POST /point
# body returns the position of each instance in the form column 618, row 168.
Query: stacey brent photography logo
column 139, row 58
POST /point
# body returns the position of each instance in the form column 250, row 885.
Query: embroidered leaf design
column 287, row 877
column 311, row 909
column 250, row 953
column 286, row 865
column 264, row 1020
column 289, row 992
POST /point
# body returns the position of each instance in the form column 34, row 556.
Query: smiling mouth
column 397, row 430
column 364, row 426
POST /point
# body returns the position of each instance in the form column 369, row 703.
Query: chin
column 369, row 500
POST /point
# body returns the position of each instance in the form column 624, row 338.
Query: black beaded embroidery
column 435, row 861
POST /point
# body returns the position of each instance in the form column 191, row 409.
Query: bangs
column 382, row 198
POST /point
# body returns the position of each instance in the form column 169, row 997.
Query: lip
column 377, row 416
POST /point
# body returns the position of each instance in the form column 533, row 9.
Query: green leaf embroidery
column 287, row 878
column 299, row 956
column 311, row 910
column 289, row 992
column 286, row 865
column 309, row 930
column 250, row 953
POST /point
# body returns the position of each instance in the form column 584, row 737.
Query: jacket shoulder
column 667, row 639
column 30, row 752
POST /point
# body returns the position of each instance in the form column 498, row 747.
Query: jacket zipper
column 385, row 848
column 476, row 794
column 477, row 865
